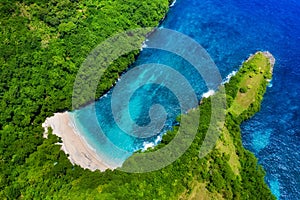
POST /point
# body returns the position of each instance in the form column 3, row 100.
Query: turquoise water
column 109, row 138
column 230, row 31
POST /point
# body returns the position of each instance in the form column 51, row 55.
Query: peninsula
column 244, row 93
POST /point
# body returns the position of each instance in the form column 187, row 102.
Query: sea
column 230, row 31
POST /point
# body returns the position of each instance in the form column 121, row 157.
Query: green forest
column 43, row 44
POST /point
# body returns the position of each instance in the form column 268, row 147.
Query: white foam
column 147, row 145
column 208, row 94
column 228, row 77
column 270, row 84
column 173, row 3
column 144, row 45
column 158, row 139
column 118, row 80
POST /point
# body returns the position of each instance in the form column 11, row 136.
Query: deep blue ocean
column 230, row 30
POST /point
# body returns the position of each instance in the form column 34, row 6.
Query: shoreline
column 76, row 147
column 73, row 143
column 270, row 57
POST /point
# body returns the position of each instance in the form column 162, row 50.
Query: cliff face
column 232, row 171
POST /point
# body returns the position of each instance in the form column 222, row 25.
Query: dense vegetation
column 44, row 43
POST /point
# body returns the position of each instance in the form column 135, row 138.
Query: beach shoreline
column 73, row 144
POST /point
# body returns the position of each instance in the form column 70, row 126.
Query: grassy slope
column 253, row 75
column 251, row 81
column 226, row 145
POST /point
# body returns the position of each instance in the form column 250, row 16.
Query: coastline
column 271, row 58
column 73, row 144
column 77, row 148
column 267, row 54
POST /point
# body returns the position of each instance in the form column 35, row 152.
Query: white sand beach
column 74, row 145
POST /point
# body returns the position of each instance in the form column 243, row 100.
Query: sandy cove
column 79, row 151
